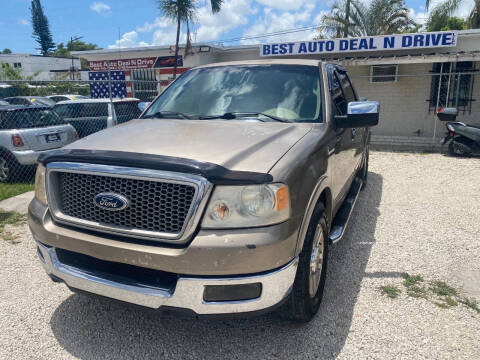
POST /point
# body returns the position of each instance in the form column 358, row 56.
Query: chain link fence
column 38, row 116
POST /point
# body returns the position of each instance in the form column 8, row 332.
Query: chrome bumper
column 188, row 293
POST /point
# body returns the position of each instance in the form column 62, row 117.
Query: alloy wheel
column 4, row 170
column 316, row 261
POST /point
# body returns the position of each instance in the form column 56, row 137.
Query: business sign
column 360, row 44
column 137, row 63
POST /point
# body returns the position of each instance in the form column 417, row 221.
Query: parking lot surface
column 420, row 214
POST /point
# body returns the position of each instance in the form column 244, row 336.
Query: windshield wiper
column 167, row 115
column 237, row 114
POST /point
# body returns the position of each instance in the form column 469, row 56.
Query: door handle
column 354, row 133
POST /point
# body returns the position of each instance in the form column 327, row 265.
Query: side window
column 338, row 97
column 347, row 87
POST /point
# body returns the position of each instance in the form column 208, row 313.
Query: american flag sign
column 100, row 89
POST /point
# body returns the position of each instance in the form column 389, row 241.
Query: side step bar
column 343, row 215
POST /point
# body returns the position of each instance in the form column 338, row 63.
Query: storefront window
column 455, row 81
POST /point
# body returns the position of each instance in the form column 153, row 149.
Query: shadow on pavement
column 91, row 328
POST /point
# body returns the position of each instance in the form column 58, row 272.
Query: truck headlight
column 40, row 191
column 247, row 206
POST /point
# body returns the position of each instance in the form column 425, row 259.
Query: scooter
column 462, row 139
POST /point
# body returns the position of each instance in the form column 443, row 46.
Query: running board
column 343, row 215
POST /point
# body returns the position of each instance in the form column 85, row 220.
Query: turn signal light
column 17, row 141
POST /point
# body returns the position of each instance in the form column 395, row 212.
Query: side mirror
column 359, row 114
column 143, row 105
column 447, row 114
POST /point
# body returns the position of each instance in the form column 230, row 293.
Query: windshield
column 26, row 119
column 289, row 92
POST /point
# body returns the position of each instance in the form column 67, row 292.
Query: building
column 42, row 68
column 411, row 75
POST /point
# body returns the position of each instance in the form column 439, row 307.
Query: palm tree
column 448, row 7
column 183, row 11
column 379, row 17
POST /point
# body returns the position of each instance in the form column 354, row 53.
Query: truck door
column 357, row 134
column 342, row 151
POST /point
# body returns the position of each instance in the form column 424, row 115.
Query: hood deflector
column 214, row 173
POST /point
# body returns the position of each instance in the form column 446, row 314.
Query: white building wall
column 403, row 104
column 40, row 67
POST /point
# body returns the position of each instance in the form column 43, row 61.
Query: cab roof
column 304, row 62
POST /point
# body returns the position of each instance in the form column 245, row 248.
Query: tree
column 378, row 17
column 183, row 11
column 6, row 51
column 442, row 22
column 77, row 45
column 41, row 28
column 445, row 9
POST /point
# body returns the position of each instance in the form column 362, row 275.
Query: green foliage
column 9, row 190
column 391, row 291
column 183, row 11
column 6, row 51
column 77, row 45
column 439, row 21
column 41, row 28
column 9, row 73
column 378, row 17
column 442, row 289
column 412, row 280
column 471, row 303
column 10, row 218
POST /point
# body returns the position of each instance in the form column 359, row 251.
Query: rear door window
column 129, row 109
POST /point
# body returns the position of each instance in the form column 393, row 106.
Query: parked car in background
column 27, row 132
column 91, row 115
column 58, row 98
column 29, row 100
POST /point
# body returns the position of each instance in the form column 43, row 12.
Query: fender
column 320, row 186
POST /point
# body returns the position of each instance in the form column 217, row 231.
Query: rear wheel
column 455, row 149
column 306, row 296
column 5, row 169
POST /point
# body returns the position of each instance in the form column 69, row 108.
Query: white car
column 58, row 98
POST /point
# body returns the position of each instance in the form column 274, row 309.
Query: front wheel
column 307, row 292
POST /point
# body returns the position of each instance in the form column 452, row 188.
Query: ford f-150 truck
column 222, row 198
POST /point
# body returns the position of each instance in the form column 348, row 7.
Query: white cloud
column 418, row 17
column 233, row 14
column 273, row 21
column 285, row 4
column 23, row 22
column 100, row 8
column 128, row 40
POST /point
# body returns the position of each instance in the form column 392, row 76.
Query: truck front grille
column 155, row 206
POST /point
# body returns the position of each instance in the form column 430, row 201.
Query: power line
column 276, row 33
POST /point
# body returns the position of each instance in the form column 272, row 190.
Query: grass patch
column 10, row 218
column 9, row 190
column 471, row 303
column 442, row 289
column 412, row 280
column 389, row 290
column 417, row 292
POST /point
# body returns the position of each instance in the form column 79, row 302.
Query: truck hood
column 234, row 144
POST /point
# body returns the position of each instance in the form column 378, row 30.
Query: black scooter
column 462, row 139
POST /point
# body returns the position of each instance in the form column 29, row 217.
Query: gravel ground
column 419, row 214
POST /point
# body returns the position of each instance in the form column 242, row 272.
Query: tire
column 363, row 173
column 306, row 297
column 455, row 150
column 6, row 169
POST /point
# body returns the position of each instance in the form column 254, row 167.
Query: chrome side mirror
column 359, row 114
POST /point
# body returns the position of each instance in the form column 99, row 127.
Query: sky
column 130, row 23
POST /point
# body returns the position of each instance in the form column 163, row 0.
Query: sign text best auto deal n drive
column 359, row 44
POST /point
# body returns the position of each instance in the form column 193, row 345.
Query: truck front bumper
column 188, row 292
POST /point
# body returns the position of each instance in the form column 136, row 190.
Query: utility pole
column 72, row 39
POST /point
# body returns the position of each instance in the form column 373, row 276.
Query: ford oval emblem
column 111, row 201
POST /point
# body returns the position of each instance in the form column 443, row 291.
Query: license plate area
column 50, row 138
